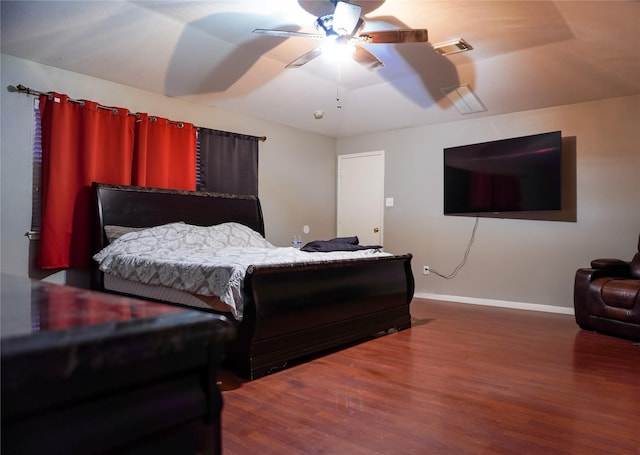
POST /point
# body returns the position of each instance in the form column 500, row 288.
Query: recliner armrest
column 613, row 265
column 586, row 275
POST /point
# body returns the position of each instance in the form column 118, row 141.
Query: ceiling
column 526, row 55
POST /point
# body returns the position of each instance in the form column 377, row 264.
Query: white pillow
column 115, row 232
column 238, row 235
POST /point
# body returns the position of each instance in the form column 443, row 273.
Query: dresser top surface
column 35, row 313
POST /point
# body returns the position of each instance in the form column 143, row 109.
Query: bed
column 289, row 310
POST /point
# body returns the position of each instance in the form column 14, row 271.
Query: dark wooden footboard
column 298, row 310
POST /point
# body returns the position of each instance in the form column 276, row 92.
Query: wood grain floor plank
column 465, row 379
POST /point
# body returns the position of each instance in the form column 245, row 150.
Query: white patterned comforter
column 210, row 261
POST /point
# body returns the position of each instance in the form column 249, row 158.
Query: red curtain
column 81, row 143
column 165, row 154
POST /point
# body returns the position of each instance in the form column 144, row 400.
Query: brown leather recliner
column 606, row 297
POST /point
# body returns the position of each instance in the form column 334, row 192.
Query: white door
column 361, row 196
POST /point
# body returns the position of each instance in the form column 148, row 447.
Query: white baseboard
column 496, row 303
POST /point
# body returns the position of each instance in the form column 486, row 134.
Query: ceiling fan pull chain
column 339, row 106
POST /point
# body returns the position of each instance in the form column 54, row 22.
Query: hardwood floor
column 465, row 379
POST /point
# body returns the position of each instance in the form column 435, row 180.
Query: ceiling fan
column 345, row 27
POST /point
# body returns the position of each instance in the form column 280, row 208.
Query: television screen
column 510, row 175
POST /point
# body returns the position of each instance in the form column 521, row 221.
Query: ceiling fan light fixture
column 454, row 46
column 338, row 49
column 464, row 99
column 342, row 29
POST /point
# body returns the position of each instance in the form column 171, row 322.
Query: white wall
column 296, row 169
column 513, row 262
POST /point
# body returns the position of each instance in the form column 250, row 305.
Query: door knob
column 376, row 229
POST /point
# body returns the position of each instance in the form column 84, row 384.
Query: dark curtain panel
column 228, row 162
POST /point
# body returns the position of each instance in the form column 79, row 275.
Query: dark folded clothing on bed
column 337, row 244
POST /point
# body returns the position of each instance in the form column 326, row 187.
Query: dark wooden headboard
column 133, row 206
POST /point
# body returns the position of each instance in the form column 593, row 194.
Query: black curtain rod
column 22, row 89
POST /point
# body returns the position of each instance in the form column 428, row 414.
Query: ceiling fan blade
column 366, row 58
column 306, row 58
column 287, row 34
column 419, row 35
column 345, row 18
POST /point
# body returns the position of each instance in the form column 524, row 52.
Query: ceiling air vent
column 452, row 47
column 464, row 99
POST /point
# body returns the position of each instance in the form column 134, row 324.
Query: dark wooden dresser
column 85, row 372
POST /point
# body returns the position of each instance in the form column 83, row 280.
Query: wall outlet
column 426, row 270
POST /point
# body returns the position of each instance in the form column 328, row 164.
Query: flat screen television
column 521, row 174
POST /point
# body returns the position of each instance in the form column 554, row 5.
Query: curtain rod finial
column 22, row 89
